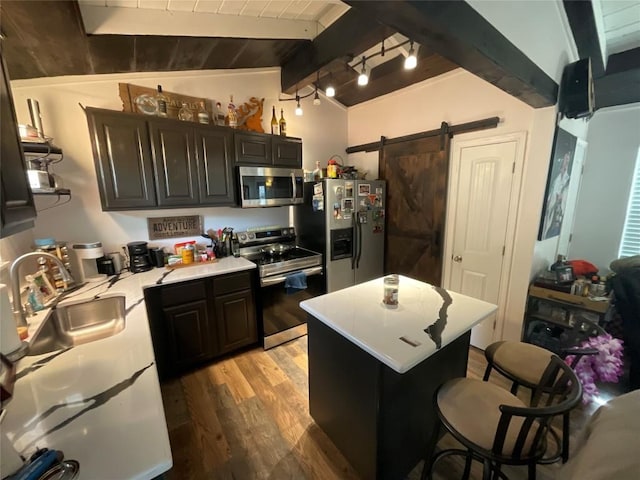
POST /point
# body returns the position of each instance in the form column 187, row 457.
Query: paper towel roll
column 9, row 339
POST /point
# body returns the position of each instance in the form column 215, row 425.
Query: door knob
column 457, row 259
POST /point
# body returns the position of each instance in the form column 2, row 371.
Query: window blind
column 630, row 244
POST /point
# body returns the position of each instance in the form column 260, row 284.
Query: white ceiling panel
column 231, row 7
column 276, row 8
column 182, row 5
column 209, row 6
column 157, row 4
column 621, row 23
column 255, row 7
column 314, row 10
column 294, row 9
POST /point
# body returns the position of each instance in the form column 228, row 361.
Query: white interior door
column 480, row 221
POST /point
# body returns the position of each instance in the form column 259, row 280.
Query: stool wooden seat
column 495, row 426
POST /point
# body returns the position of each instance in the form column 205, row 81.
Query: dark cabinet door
column 214, row 150
column 287, row 152
column 189, row 333
column 175, row 163
column 236, row 320
column 17, row 207
column 122, row 158
column 253, row 149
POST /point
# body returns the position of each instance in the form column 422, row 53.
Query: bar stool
column 495, row 426
column 523, row 364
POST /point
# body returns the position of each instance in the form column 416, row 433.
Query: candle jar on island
column 390, row 296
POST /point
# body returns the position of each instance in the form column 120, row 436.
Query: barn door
column 416, row 174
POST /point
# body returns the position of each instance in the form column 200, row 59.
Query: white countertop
column 100, row 403
column 359, row 315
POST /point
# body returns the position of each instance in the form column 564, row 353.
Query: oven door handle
column 265, row 282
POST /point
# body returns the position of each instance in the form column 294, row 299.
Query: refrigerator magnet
column 378, row 190
column 318, row 203
column 317, row 189
column 347, row 205
column 348, row 189
column 364, row 189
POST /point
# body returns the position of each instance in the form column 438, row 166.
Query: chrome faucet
column 14, row 276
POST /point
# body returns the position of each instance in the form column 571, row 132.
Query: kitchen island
column 100, row 402
column 373, row 370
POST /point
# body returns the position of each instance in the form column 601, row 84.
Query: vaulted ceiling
column 308, row 39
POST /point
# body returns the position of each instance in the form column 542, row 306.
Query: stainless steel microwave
column 270, row 186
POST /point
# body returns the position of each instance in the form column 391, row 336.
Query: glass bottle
column 274, row 121
column 283, row 124
column 162, row 101
column 219, row 116
column 203, row 115
column 317, row 173
column 232, row 115
column 185, row 113
column 390, row 296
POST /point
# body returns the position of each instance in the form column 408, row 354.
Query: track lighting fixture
column 330, row 91
column 411, row 61
column 298, row 107
column 316, row 98
column 363, row 78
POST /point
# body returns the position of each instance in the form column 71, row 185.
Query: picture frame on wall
column 558, row 178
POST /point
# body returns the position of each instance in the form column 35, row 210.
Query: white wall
column 459, row 97
column 322, row 128
column 538, row 28
column 614, row 139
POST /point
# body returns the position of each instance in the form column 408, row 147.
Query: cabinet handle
column 581, row 303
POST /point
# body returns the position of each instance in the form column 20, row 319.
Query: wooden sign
column 137, row 99
column 174, row 227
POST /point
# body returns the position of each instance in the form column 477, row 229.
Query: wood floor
column 247, row 417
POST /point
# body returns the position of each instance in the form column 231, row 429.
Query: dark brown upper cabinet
column 286, row 152
column 174, row 160
column 122, row 156
column 258, row 149
column 17, row 208
column 214, row 152
column 150, row 162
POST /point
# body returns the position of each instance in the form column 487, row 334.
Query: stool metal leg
column 487, row 372
column 467, row 466
column 566, row 418
column 486, row 469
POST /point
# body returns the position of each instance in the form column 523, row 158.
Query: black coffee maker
column 139, row 259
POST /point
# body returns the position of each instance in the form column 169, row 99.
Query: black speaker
column 576, row 96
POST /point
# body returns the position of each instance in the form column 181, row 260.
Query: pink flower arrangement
column 604, row 367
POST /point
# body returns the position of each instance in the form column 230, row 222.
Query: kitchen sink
column 78, row 322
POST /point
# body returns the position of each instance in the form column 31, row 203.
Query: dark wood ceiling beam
column 391, row 76
column 456, row 31
column 353, row 33
column 53, row 34
column 583, row 26
column 621, row 84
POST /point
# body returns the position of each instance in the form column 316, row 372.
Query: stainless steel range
column 280, row 262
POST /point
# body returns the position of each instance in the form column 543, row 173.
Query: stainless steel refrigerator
column 345, row 221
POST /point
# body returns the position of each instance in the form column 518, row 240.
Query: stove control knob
column 243, row 237
column 252, row 236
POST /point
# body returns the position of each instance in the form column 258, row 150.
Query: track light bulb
column 316, row 98
column 330, row 91
column 363, row 78
column 411, row 61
